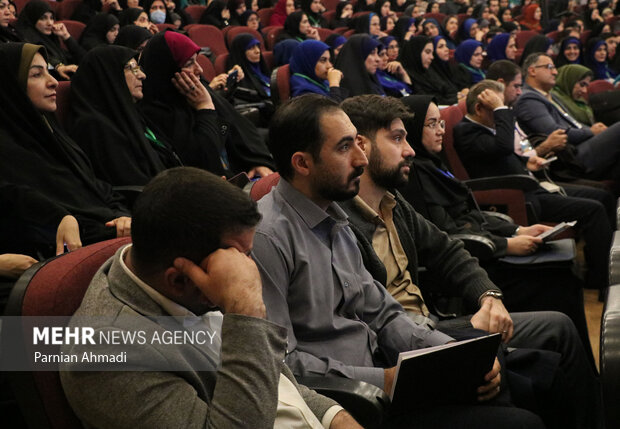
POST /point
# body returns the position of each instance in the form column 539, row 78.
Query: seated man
column 597, row 147
column 340, row 321
column 192, row 233
column 484, row 140
column 395, row 240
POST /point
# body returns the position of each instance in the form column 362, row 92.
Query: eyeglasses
column 549, row 66
column 433, row 125
column 134, row 68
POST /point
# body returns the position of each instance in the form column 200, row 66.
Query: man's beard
column 388, row 178
column 329, row 192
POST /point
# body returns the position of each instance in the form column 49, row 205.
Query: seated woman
column 281, row 10
column 250, row 19
column 216, row 14
column 444, row 79
column 8, row 33
column 313, row 10
column 538, row 43
column 36, row 24
column 404, row 29
column 502, row 47
column 101, row 30
column 255, row 87
column 313, row 72
column 431, row 28
column 368, row 24
column 133, row 37
column 447, row 203
column 236, row 8
column 383, row 9
column 358, row 61
column 283, row 50
column 531, row 18
column 469, row 56
column 344, row 12
column 365, row 5
column 203, row 128
column 450, row 29
column 392, row 47
column 106, row 122
column 298, row 27
column 469, row 29
column 571, row 89
column 596, row 60
column 392, row 76
column 37, row 153
column 335, row 42
column 137, row 16
column 569, row 53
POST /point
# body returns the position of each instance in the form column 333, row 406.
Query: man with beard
column 340, row 321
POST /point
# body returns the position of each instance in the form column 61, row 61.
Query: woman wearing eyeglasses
column 105, row 121
column 571, row 88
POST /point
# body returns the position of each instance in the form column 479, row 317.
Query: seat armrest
column 610, row 356
column 614, row 260
column 513, row 181
column 499, row 215
column 364, row 401
column 478, row 246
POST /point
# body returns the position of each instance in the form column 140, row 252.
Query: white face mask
column 158, row 17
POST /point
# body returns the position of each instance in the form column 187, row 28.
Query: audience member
column 133, row 37
column 8, row 33
column 216, row 14
column 538, row 43
column 37, row 153
column 344, row 12
column 450, row 30
column 236, row 8
column 250, row 19
column 283, row 50
column 571, row 90
column 101, row 30
column 569, row 53
column 358, row 61
column 298, row 27
column 531, row 18
column 202, row 127
column 313, row 72
column 281, row 10
column 172, row 276
column 335, row 42
column 313, row 10
column 87, row 9
column 469, row 54
column 596, row 59
column 392, row 76
column 502, row 47
column 404, row 29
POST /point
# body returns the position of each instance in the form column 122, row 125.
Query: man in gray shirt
column 340, row 321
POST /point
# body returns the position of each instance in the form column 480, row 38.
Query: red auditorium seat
column 280, row 84
column 66, row 8
column 75, row 28
column 599, row 85
column 330, row 4
column 271, row 34
column 439, row 17
column 195, row 11
column 208, row 71
column 164, row 27
column 324, row 33
column 264, row 15
column 208, row 36
column 235, row 31
column 220, row 64
column 524, row 36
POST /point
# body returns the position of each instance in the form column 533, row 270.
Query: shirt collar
column 388, row 202
column 469, row 118
column 311, row 214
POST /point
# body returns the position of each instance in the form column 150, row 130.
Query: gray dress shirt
column 340, row 321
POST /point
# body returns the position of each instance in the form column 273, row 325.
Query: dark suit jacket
column 537, row 115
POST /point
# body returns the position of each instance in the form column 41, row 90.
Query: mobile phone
column 231, row 80
column 549, row 160
column 240, row 180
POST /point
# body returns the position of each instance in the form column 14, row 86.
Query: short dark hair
column 184, row 211
column 369, row 113
column 531, row 60
column 503, row 69
column 476, row 90
column 295, row 127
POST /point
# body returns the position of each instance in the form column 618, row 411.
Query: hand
column 123, row 226
column 493, row 318
column 535, row 163
column 346, row 14
column 490, row 389
column 260, row 171
column 313, row 33
column 61, row 31
column 598, row 128
column 13, row 265
column 490, row 99
column 113, row 4
column 555, row 142
column 170, row 5
column 219, row 82
column 334, row 76
column 153, row 28
column 533, row 230
column 344, row 420
column 388, row 379
column 68, row 232
column 65, row 69
column 193, row 90
column 522, row 245
column 229, row 279
column 240, row 74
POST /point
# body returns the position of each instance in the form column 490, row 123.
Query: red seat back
column 220, row 64
column 439, row 17
column 271, row 35
column 453, row 115
column 208, row 70
column 195, row 11
column 235, row 31
column 330, row 4
column 208, row 36
column 524, row 36
column 75, row 28
column 599, row 85
column 66, row 8
column 264, row 15
column 324, row 33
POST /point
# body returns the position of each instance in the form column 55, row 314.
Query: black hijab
column 106, row 122
column 401, row 28
column 166, row 110
column 316, row 19
column 213, row 14
column 132, row 36
column 86, row 10
column 538, row 43
column 351, row 62
column 10, row 34
column 291, row 27
column 256, row 76
column 437, row 184
column 96, row 31
column 129, row 16
column 37, row 153
column 443, row 78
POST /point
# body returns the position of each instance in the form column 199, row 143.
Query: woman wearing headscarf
column 281, row 10
column 36, row 24
column 335, row 42
column 431, row 28
column 571, row 89
column 502, row 47
column 250, row 19
column 469, row 56
column 202, row 127
column 312, row 71
column 236, row 8
column 569, row 53
column 447, row 203
column 596, row 59
column 358, row 61
column 445, row 79
column 365, row 6
column 216, row 14
column 101, row 30
column 383, row 8
column 531, row 18
column 298, row 27
column 367, row 24
column 86, row 10
column 449, row 30
column 469, row 30
column 538, row 43
column 404, row 29
column 505, row 15
column 283, row 50
column 392, row 76
column 313, row 10
column 106, row 121
column 37, row 153
column 344, row 12
column 133, row 37
column 8, row 33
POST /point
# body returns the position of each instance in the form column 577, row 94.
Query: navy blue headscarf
column 392, row 85
column 352, row 63
column 600, row 68
column 283, row 50
column 303, row 62
column 497, row 48
column 465, row 27
column 463, row 55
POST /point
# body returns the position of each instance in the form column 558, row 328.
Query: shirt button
column 346, row 284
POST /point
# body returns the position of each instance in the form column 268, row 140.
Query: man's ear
column 365, row 144
column 501, row 80
column 176, row 282
column 301, row 162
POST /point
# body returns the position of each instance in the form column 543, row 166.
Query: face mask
column 158, row 17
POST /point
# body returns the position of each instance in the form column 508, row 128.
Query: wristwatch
column 494, row 293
